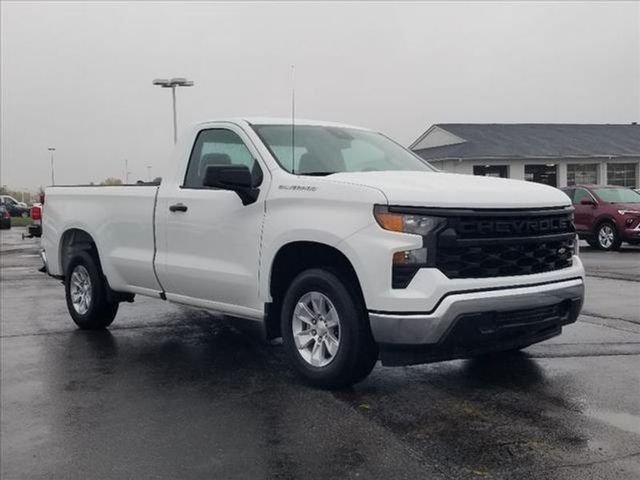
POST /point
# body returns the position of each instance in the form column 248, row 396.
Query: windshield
column 325, row 150
column 617, row 195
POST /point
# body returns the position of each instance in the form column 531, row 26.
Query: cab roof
column 282, row 121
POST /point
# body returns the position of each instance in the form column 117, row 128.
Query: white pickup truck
column 333, row 237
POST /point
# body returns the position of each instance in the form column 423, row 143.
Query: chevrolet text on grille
column 514, row 226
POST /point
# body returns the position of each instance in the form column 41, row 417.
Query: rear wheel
column 607, row 237
column 86, row 293
column 325, row 330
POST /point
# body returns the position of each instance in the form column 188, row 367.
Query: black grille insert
column 504, row 243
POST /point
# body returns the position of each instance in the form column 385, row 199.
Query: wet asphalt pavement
column 175, row 393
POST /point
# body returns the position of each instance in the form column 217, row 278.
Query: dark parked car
column 5, row 218
column 606, row 216
column 14, row 207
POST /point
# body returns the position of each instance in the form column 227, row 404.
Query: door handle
column 178, row 207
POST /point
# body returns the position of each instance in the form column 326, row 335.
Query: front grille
column 484, row 244
column 504, row 260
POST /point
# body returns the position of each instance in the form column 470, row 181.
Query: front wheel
column 607, row 237
column 325, row 330
column 85, row 291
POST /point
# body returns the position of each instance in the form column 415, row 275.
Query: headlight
column 406, row 263
column 406, row 223
column 629, row 212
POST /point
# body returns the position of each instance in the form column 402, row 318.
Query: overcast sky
column 77, row 76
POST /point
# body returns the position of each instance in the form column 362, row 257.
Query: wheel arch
column 293, row 258
column 78, row 240
column 602, row 219
column 74, row 240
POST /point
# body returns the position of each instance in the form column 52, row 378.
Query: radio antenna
column 293, row 119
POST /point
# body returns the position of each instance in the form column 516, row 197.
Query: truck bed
column 121, row 216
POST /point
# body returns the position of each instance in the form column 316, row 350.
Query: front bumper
column 632, row 234
column 466, row 323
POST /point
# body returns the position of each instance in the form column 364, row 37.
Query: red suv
column 606, row 216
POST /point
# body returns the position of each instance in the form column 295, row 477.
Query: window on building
column 542, row 173
column 501, row 171
column 582, row 173
column 622, row 174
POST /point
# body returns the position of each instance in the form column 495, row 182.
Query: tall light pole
column 52, row 149
column 126, row 171
column 172, row 84
column 148, row 173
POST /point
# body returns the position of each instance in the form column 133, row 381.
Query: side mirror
column 588, row 201
column 232, row 177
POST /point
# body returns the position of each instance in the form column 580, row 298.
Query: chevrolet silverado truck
column 335, row 238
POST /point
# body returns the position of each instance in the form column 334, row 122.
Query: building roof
column 527, row 140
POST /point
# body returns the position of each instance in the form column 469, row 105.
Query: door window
column 569, row 192
column 580, row 194
column 219, row 147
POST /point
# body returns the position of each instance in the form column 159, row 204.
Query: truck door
column 208, row 241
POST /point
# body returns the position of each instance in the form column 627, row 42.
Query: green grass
column 20, row 221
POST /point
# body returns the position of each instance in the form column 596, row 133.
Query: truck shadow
column 503, row 370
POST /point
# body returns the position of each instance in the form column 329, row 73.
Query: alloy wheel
column 81, row 291
column 606, row 236
column 316, row 329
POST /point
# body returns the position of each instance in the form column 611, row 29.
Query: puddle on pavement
column 623, row 421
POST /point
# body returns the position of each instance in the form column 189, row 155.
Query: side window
column 579, row 195
column 569, row 192
column 218, row 147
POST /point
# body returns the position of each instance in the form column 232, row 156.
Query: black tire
column 615, row 243
column 592, row 243
column 100, row 312
column 357, row 352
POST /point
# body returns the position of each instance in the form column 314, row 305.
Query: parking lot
column 170, row 392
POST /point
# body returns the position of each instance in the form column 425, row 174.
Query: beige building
column 554, row 154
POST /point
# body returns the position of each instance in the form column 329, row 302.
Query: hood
column 627, row 206
column 449, row 190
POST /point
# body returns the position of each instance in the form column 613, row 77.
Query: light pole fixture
column 172, row 84
column 52, row 149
